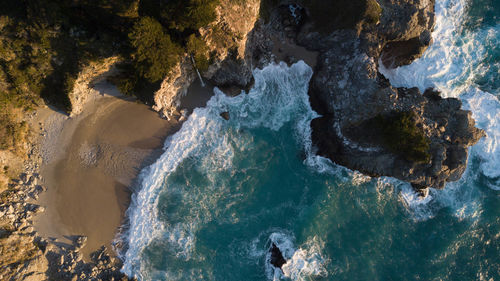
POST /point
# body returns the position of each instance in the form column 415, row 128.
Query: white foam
column 486, row 111
column 460, row 197
column 279, row 96
column 302, row 263
column 144, row 226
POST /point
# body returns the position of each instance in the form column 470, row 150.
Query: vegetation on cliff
column 45, row 44
column 154, row 52
column 401, row 135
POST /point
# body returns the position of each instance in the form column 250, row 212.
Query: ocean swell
column 279, row 96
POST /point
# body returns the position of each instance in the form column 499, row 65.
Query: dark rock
column 277, row 259
column 233, row 72
column 225, row 115
column 348, row 91
column 398, row 53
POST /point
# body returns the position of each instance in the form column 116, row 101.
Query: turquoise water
column 223, row 191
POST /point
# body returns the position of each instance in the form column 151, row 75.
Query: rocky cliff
column 226, row 39
column 83, row 89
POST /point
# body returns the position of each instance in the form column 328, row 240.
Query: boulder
column 277, row 259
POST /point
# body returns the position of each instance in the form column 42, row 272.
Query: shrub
column 184, row 15
column 154, row 53
column 401, row 135
column 13, row 134
column 199, row 50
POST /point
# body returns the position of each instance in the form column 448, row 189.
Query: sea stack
column 277, row 259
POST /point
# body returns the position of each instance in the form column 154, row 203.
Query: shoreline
column 90, row 164
column 68, row 205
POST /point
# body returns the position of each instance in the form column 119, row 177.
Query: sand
column 91, row 162
column 286, row 51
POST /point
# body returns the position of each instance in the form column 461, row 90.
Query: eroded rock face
column 87, row 78
column 450, row 131
column 226, row 39
column 346, row 88
column 405, row 27
column 174, row 87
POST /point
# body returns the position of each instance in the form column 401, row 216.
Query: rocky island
column 365, row 124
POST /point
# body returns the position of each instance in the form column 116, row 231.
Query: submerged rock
column 277, row 259
column 225, row 115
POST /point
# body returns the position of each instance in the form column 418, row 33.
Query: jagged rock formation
column 226, row 39
column 27, row 256
column 87, row 78
column 277, row 259
column 173, row 87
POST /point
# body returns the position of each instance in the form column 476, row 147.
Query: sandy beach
column 91, row 161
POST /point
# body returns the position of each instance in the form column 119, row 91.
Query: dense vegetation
column 164, row 31
column 44, row 44
column 401, row 135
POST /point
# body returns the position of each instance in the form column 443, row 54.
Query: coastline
column 91, row 162
column 88, row 183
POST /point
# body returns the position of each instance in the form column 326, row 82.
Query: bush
column 154, row 53
column 199, row 50
column 401, row 136
column 12, row 134
column 184, row 15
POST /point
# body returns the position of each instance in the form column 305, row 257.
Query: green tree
column 189, row 14
column 402, row 136
column 197, row 48
column 154, row 52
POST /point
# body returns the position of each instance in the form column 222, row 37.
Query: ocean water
column 224, row 191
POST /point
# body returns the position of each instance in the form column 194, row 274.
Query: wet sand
column 91, row 161
column 286, row 51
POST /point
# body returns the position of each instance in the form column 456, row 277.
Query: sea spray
column 302, row 263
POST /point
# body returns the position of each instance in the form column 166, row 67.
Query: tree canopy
column 154, row 52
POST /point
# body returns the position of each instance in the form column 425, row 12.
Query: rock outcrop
column 87, row 78
column 226, row 39
column 277, row 259
column 174, row 87
column 27, row 256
